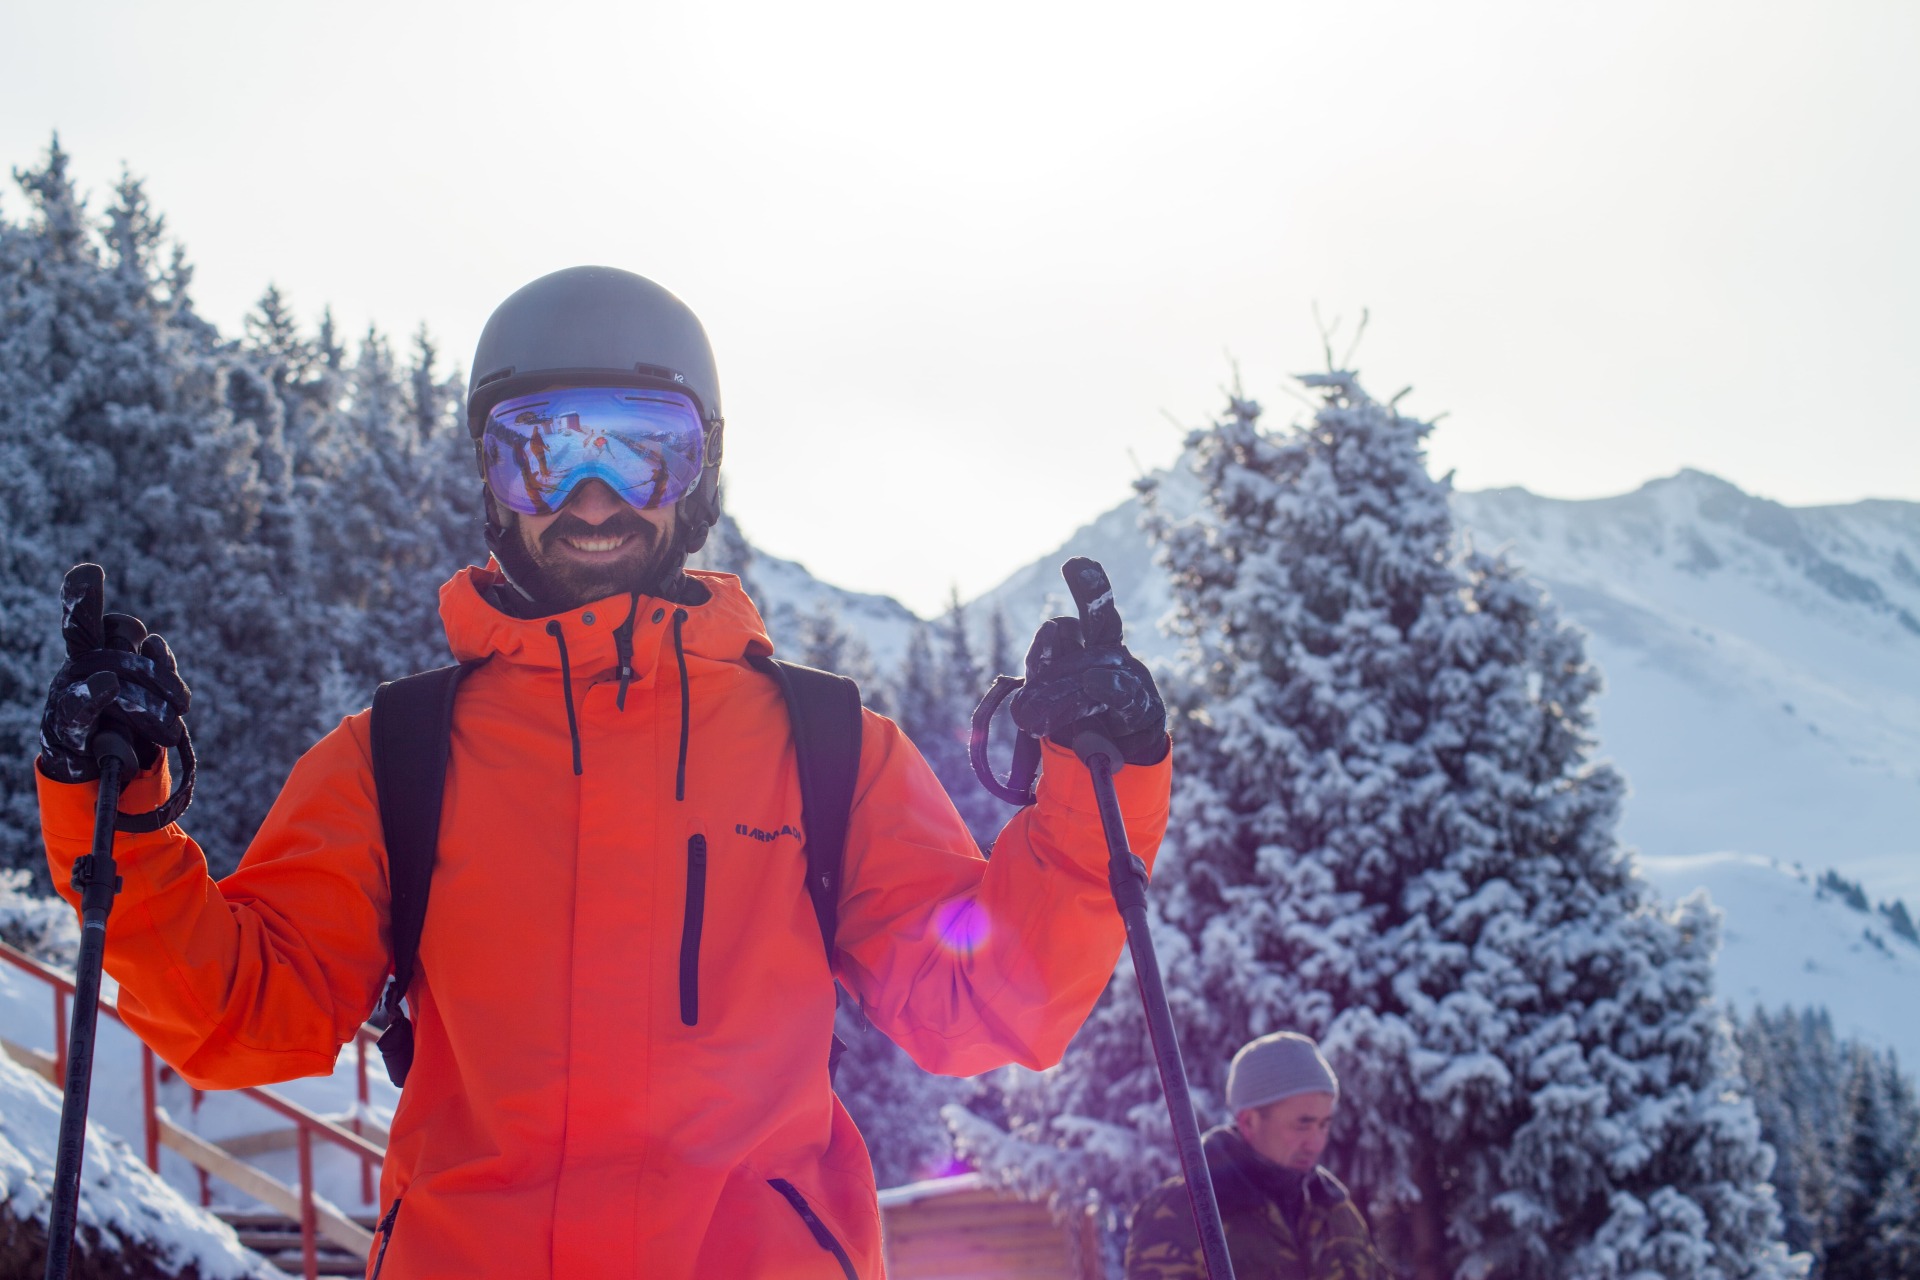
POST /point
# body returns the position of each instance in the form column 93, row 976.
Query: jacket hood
column 726, row 628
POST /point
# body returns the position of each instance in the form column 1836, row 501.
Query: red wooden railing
column 307, row 1124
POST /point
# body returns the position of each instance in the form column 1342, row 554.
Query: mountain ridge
column 1761, row 661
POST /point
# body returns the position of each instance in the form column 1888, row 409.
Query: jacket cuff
column 1143, row 789
column 66, row 811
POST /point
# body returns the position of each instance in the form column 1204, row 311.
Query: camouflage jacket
column 1332, row 1242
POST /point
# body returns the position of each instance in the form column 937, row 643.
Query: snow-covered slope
column 1762, row 664
column 1115, row 539
column 1785, row 941
column 787, row 595
column 788, row 592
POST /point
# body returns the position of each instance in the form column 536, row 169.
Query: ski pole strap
column 175, row 805
column 1018, row 789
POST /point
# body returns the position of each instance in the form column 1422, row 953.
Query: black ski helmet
column 587, row 326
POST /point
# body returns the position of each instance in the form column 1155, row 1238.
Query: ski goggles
column 646, row 445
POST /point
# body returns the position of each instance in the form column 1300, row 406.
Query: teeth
column 594, row 544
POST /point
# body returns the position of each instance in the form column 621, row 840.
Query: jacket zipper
column 386, row 1237
column 690, row 931
column 821, row 1235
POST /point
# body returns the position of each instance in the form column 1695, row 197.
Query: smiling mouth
column 599, row 545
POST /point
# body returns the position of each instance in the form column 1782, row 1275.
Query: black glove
column 1080, row 677
column 116, row 677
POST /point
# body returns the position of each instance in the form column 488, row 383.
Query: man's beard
column 556, row 582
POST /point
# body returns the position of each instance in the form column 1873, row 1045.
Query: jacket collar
column 726, row 628
column 1238, row 1174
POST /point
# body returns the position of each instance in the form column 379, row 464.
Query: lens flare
column 961, row 925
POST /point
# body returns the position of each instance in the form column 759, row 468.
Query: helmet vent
column 495, row 376
column 660, row 371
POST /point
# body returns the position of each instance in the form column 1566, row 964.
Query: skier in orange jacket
column 591, row 1095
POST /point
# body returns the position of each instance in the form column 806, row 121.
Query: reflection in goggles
column 645, row 445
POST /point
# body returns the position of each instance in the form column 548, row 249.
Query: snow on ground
column 26, row 1017
column 119, row 1196
column 914, row 1192
column 1785, row 942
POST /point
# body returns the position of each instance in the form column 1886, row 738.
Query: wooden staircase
column 277, row 1238
column 339, row 1243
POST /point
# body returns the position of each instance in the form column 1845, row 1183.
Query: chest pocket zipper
column 822, row 1235
column 386, row 1237
column 690, row 930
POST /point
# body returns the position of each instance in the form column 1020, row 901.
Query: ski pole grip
column 1089, row 743
column 111, row 744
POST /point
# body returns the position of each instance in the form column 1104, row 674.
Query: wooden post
column 1091, row 1267
column 149, row 1102
column 60, row 1034
column 309, row 1241
column 206, row 1183
column 366, row 1166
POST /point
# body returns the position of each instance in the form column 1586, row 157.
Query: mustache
column 620, row 524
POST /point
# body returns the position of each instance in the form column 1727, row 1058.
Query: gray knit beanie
column 1275, row 1067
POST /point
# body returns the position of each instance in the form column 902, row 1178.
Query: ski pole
column 87, row 630
column 1100, row 624
column 1128, row 877
column 98, row 881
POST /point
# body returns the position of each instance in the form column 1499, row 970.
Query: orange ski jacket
column 571, row 1112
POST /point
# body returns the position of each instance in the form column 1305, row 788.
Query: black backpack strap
column 411, row 729
column 824, row 709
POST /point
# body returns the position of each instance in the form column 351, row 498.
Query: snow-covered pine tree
column 1795, row 1073
column 962, row 670
column 897, row 1107
column 1002, row 658
column 397, row 514
column 918, row 694
column 1843, row 1120
column 826, row 643
column 1764, row 1062
column 920, row 703
column 963, row 685
column 1389, row 834
column 130, row 437
column 1874, row 1230
column 200, row 474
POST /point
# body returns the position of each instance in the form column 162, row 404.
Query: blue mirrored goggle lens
column 646, row 445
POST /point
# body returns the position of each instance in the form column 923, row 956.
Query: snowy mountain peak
column 1861, row 557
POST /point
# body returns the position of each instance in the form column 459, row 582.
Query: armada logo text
column 767, row 837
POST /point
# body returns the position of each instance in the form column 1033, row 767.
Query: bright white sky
column 962, row 263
